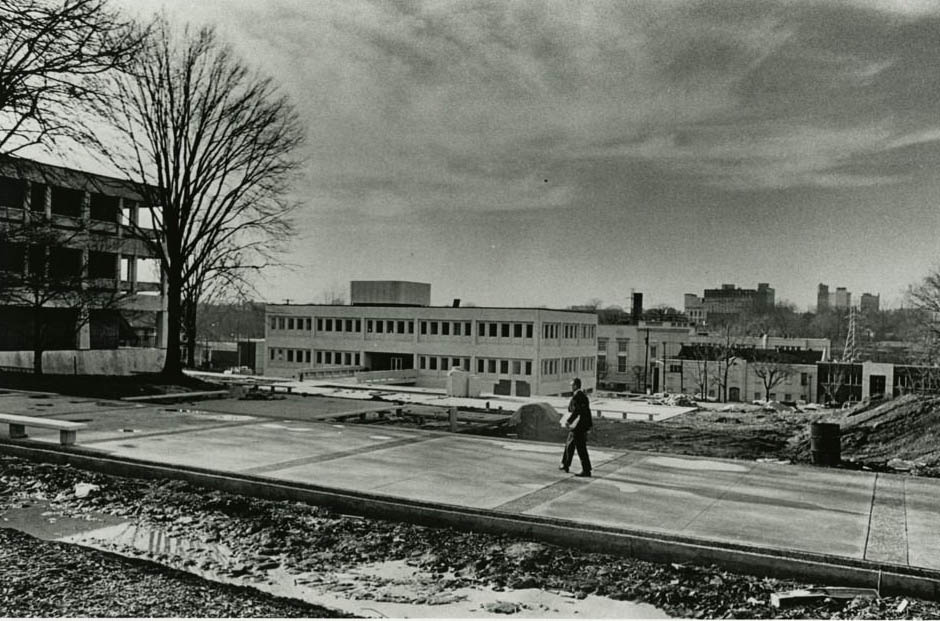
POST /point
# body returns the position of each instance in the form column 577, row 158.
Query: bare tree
column 833, row 381
column 211, row 146
column 44, row 270
column 725, row 349
column 772, row 370
column 53, row 54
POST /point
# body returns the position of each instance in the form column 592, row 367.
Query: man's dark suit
column 580, row 409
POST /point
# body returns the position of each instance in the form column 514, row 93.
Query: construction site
column 370, row 501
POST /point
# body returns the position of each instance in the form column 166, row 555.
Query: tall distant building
column 840, row 299
column 728, row 302
column 869, row 303
column 822, row 298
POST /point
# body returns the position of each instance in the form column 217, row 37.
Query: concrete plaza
column 847, row 527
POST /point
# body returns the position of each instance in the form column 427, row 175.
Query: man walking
column 578, row 423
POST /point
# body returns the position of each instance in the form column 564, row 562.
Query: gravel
column 307, row 540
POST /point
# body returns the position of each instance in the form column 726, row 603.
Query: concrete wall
column 90, row 361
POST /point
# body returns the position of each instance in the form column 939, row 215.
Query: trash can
column 826, row 443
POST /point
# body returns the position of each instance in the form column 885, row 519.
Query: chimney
column 637, row 311
column 456, row 303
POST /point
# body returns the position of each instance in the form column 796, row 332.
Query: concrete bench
column 18, row 424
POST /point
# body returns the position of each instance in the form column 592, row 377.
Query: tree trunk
column 172, row 365
column 190, row 329
column 37, row 341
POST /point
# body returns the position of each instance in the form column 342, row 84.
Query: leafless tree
column 833, row 381
column 211, row 146
column 53, row 56
column 43, row 269
column 725, row 349
column 772, row 369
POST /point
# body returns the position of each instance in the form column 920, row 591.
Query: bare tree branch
column 211, row 145
column 53, row 56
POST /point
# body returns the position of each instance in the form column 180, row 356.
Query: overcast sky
column 547, row 153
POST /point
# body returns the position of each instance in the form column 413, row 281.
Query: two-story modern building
column 390, row 326
column 90, row 243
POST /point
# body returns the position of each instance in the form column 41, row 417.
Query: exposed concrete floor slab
column 858, row 516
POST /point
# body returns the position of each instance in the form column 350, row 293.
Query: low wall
column 122, row 361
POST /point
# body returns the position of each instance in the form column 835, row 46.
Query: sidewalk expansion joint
column 556, row 490
column 172, row 432
column 312, row 459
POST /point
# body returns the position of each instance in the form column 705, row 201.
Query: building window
column 528, row 330
column 517, row 330
column 329, row 357
column 445, row 364
column 457, row 326
column 432, row 360
column 380, row 326
column 491, row 367
column 621, row 364
column 309, row 324
column 467, row 328
column 401, row 327
column 675, row 368
column 329, row 325
column 274, row 323
column 272, row 353
column 280, row 323
column 445, row 328
column 356, row 359
column 424, row 327
column 480, row 365
column 358, row 325
column 493, row 329
column 319, row 357
column 528, row 367
column 433, row 327
column 411, row 327
column 602, row 345
column 307, row 356
column 422, row 362
column 517, row 367
column 390, row 326
column 504, row 367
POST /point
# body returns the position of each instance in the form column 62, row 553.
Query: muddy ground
column 312, row 544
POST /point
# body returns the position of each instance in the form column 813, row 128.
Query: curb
column 888, row 579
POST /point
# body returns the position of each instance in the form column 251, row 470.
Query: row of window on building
column 306, row 356
column 485, row 329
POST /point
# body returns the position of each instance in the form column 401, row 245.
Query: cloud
column 468, row 105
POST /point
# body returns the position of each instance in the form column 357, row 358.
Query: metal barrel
column 826, row 443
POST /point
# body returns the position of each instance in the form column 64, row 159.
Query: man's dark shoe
column 562, row 468
column 583, row 474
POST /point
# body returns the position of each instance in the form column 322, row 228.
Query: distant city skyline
column 550, row 153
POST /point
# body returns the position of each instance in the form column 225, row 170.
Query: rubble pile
column 317, row 543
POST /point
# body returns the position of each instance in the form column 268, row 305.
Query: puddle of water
column 284, row 427
column 696, row 464
column 41, row 519
column 210, row 415
column 389, row 588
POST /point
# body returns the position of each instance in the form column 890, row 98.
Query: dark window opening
column 67, row 202
column 102, row 265
column 12, row 192
column 104, row 208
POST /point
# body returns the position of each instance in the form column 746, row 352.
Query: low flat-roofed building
column 512, row 351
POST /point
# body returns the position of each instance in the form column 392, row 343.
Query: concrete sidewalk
column 846, row 527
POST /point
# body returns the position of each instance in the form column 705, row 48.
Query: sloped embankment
column 900, row 434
